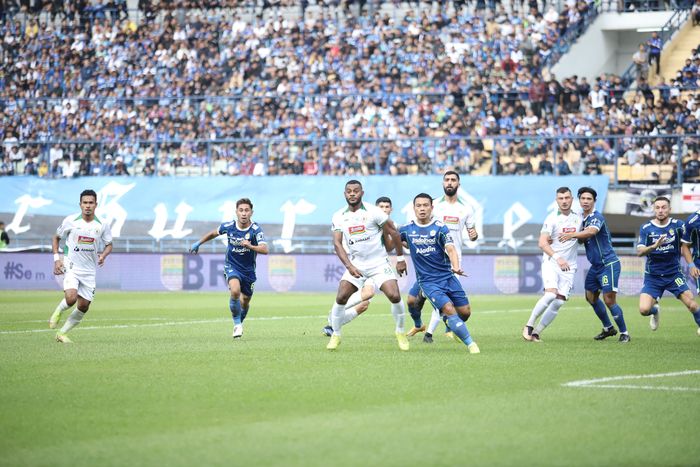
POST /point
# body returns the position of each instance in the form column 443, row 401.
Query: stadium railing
column 657, row 158
column 301, row 245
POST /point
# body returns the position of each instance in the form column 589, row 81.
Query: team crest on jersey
column 356, row 229
column 432, row 233
column 247, row 236
column 568, row 229
column 82, row 240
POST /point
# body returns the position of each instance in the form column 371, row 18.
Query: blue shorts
column 443, row 292
column 603, row 278
column 655, row 285
column 247, row 285
column 415, row 289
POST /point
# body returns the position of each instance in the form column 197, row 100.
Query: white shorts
column 84, row 283
column 375, row 276
column 554, row 278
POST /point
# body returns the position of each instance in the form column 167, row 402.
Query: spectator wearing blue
column 654, row 46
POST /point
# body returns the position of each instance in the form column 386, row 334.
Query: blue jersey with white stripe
column 665, row 260
column 427, row 245
column 692, row 234
column 599, row 250
column 240, row 257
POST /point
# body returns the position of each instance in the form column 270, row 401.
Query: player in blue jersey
column 245, row 240
column 436, row 262
column 605, row 266
column 692, row 237
column 660, row 240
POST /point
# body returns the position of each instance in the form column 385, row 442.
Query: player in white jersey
column 84, row 235
column 559, row 261
column 458, row 217
column 357, row 238
column 360, row 300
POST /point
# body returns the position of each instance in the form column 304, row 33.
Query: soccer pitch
column 155, row 379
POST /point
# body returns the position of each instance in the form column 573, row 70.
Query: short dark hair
column 88, row 193
column 589, row 190
column 353, row 182
column 244, row 201
column 563, row 189
column 450, row 172
column 423, row 195
column 662, row 198
column 383, row 199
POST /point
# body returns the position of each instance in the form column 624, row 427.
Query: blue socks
column 602, row 314
column 617, row 316
column 696, row 317
column 244, row 313
column 459, row 328
column 415, row 316
column 654, row 310
column 235, row 306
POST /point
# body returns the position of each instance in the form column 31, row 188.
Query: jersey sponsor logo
column 82, row 240
column 568, row 229
column 356, row 229
column 450, row 220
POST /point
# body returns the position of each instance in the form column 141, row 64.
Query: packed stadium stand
column 276, row 88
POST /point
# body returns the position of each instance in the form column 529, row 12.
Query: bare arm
column 685, row 251
column 454, row 259
column 588, row 232
column 343, row 256
column 473, row 234
column 105, row 253
column 388, row 241
column 263, row 249
column 391, row 231
column 645, row 250
column 545, row 240
column 58, row 263
column 210, row 236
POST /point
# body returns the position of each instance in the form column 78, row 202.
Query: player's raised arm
column 210, row 236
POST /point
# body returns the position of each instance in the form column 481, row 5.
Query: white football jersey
column 457, row 216
column 362, row 234
column 557, row 224
column 83, row 239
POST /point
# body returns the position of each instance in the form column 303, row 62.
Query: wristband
column 400, row 258
column 56, row 257
column 556, row 256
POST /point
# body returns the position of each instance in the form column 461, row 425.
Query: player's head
column 423, row 207
column 450, row 182
column 587, row 197
column 88, row 202
column 244, row 211
column 353, row 193
column 662, row 208
column 384, row 203
column 564, row 199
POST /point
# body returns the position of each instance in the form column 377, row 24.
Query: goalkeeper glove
column 195, row 247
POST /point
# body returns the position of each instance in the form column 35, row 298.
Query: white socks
column 337, row 315
column 540, row 306
column 63, row 306
column 397, row 310
column 549, row 315
column 73, row 320
column 434, row 321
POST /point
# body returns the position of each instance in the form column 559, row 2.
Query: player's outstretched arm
column 343, row 256
column 263, row 249
column 210, row 236
column 588, row 232
column 57, row 261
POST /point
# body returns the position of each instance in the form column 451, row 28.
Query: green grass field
column 155, row 379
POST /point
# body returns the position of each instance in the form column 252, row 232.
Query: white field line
column 161, row 321
column 600, row 382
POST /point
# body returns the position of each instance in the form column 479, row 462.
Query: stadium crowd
column 428, row 91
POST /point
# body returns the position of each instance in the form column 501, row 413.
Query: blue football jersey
column 665, row 260
column 427, row 246
column 599, row 250
column 692, row 233
column 242, row 258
